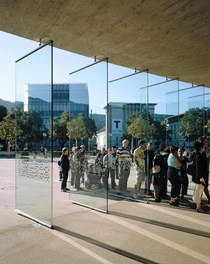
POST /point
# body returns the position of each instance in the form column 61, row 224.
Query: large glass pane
column 127, row 117
column 192, row 115
column 33, row 137
column 172, row 121
column 207, row 112
column 88, row 101
column 163, row 96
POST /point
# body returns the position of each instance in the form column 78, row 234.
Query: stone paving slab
column 132, row 232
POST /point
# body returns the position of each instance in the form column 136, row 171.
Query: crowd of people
column 154, row 169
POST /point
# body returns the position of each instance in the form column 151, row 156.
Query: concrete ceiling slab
column 167, row 37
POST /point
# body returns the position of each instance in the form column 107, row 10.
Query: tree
column 30, row 128
column 192, row 124
column 208, row 126
column 81, row 128
column 141, row 126
column 60, row 129
column 7, row 129
column 3, row 112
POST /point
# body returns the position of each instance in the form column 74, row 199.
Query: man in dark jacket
column 65, row 165
column 201, row 174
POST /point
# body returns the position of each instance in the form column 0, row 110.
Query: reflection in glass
column 33, row 139
column 128, row 119
column 192, row 121
column 88, row 100
column 165, row 120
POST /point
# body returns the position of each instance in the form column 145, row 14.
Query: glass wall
column 127, row 115
column 33, row 114
column 207, row 111
column 88, row 91
column 163, row 125
column 163, row 97
column 192, row 115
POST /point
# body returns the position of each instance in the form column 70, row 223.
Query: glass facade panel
column 192, row 115
column 164, row 97
column 127, row 108
column 162, row 132
column 88, row 101
column 207, row 112
column 33, row 137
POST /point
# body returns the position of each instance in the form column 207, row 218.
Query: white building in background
column 101, row 139
column 118, row 114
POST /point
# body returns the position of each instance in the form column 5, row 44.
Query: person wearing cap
column 124, row 165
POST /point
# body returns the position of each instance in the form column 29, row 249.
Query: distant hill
column 7, row 104
column 100, row 120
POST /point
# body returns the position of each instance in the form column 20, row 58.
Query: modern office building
column 66, row 97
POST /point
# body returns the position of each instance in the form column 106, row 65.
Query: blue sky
column 13, row 47
column 128, row 90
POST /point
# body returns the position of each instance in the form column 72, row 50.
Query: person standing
column 114, row 154
column 161, row 159
column 204, row 140
column 73, row 166
column 65, row 165
column 139, row 160
column 124, row 165
column 99, row 158
column 156, row 180
column 109, row 163
column 78, row 165
column 83, row 162
column 174, row 172
column 201, row 174
column 184, row 182
column 149, row 156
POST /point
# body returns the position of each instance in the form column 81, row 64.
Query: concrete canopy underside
column 167, row 37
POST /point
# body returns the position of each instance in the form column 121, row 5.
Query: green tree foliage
column 81, row 128
column 3, row 112
column 192, row 124
column 208, row 126
column 7, row 129
column 160, row 131
column 141, row 125
column 30, row 128
column 60, row 129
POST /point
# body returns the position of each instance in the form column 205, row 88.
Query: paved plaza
column 132, row 232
